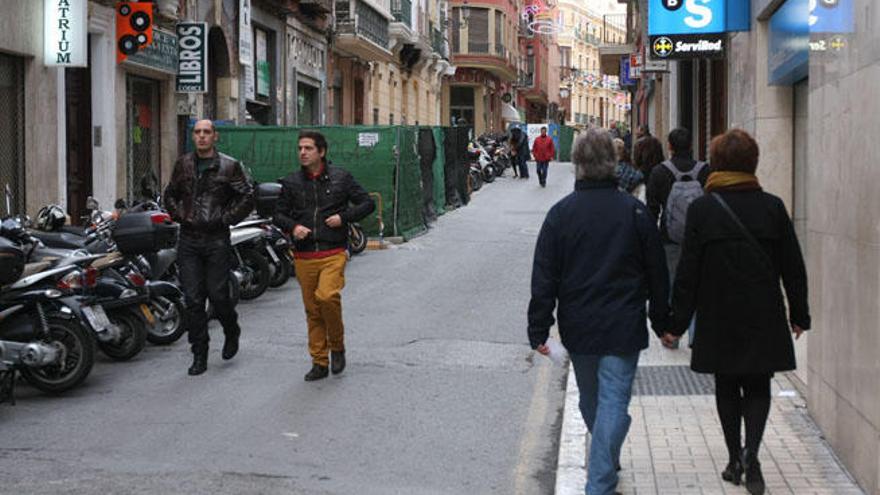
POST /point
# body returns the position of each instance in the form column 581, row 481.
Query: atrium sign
column 65, row 32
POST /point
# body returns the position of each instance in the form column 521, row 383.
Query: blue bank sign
column 694, row 28
column 666, row 17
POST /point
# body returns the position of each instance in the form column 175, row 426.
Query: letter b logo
column 672, row 5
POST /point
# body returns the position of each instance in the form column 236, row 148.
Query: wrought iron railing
column 614, row 29
column 402, row 11
column 366, row 22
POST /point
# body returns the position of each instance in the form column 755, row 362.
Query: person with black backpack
column 672, row 186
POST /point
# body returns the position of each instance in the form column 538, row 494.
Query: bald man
column 208, row 192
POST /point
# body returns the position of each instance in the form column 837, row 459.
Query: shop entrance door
column 78, row 111
column 143, row 177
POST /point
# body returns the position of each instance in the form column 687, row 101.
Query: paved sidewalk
column 675, row 444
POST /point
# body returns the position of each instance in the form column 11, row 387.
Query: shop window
column 306, row 104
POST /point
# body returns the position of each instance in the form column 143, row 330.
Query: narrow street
column 442, row 394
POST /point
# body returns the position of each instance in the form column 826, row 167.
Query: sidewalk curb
column 571, row 473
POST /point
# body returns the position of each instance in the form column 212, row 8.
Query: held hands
column 543, row 350
column 334, row 221
column 669, row 340
column 300, row 232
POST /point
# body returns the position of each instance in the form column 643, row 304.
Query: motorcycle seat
column 37, row 267
column 62, row 240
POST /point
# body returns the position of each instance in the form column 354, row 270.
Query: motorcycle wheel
column 256, row 274
column 169, row 326
column 78, row 356
column 281, row 273
column 357, row 240
column 489, row 174
column 134, row 336
column 476, row 181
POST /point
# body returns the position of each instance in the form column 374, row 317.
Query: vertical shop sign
column 192, row 57
column 245, row 33
column 65, row 32
column 262, row 68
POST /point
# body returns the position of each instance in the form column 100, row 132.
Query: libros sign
column 192, row 57
column 65, row 32
column 694, row 28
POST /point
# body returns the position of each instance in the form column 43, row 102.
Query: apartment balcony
column 617, row 42
column 527, row 86
column 438, row 44
column 498, row 61
column 401, row 28
column 363, row 29
column 401, row 10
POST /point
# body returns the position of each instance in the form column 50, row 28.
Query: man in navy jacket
column 600, row 257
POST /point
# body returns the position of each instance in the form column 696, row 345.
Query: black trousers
column 743, row 399
column 205, row 264
column 523, row 165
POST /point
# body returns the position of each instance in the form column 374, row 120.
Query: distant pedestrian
column 600, row 258
column 316, row 205
column 678, row 174
column 519, row 144
column 739, row 242
column 208, row 192
column 642, row 131
column 544, row 151
column 628, row 177
column 647, row 154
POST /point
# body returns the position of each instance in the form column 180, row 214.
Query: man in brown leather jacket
column 208, row 192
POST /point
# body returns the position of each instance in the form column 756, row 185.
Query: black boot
column 230, row 347
column 316, row 373
column 337, row 361
column 200, row 364
column 754, row 478
column 733, row 472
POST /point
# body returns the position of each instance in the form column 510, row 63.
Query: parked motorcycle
column 42, row 336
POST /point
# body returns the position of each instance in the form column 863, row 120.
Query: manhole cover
column 672, row 380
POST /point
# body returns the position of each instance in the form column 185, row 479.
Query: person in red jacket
column 543, row 150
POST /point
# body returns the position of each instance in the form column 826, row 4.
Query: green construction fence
column 383, row 159
column 566, row 140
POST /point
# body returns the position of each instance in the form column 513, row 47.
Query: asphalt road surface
column 442, row 394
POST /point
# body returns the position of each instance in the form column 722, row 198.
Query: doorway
column 143, row 174
column 78, row 111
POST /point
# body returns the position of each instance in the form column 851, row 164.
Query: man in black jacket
column 208, row 192
column 657, row 193
column 316, row 205
column 599, row 255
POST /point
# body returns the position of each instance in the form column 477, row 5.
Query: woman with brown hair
column 739, row 241
column 647, row 154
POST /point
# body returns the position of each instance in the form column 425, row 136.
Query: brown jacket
column 220, row 197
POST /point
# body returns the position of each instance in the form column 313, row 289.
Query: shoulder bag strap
column 749, row 237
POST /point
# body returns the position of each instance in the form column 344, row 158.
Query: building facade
column 807, row 109
column 594, row 96
column 485, row 51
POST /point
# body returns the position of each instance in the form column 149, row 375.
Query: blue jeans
column 605, row 384
column 541, row 167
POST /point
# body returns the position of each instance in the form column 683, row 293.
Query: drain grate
column 672, row 380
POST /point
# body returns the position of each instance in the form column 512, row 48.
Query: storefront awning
column 509, row 113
